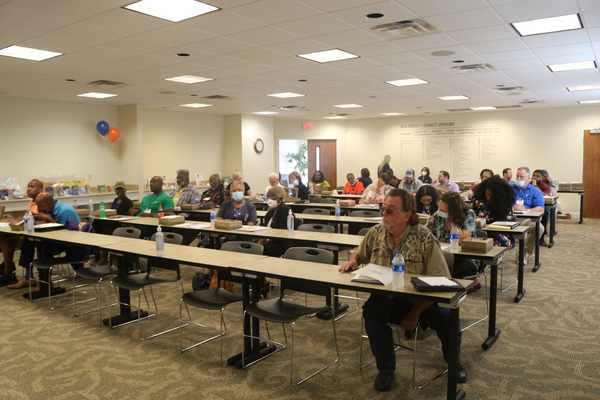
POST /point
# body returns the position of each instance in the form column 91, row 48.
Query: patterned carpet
column 548, row 348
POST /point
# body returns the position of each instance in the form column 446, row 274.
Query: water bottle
column 311, row 188
column 102, row 210
column 337, row 209
column 197, row 202
column 26, row 221
column 213, row 218
column 398, row 271
column 161, row 212
column 454, row 238
column 30, row 223
column 91, row 208
column 160, row 242
column 290, row 223
column 75, row 204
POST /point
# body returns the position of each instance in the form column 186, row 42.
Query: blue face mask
column 520, row 183
column 237, row 196
column 442, row 214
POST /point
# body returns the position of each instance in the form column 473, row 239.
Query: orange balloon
column 113, row 134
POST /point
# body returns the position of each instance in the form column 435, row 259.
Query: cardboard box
column 292, row 199
column 109, row 213
column 480, row 223
column 345, row 203
column 228, row 224
column 83, row 212
column 576, row 185
column 326, row 192
column 17, row 225
column 549, row 199
column 477, row 245
column 137, row 204
column 171, row 220
column 423, row 218
column 188, row 207
column 565, row 186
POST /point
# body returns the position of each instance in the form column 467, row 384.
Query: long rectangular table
column 581, row 193
column 535, row 216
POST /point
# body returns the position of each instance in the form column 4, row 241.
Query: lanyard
column 237, row 211
column 392, row 252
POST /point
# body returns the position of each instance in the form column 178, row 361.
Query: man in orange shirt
column 8, row 243
column 353, row 186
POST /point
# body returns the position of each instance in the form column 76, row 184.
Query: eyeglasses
column 390, row 211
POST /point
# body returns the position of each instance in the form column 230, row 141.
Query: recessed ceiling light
column 374, row 15
column 407, row 82
column 302, row 80
column 548, row 25
column 189, row 79
column 28, row 53
column 450, row 98
column 482, row 108
column 183, row 54
column 195, row 105
column 70, row 80
column 172, row 10
column 458, row 61
column 580, row 88
column 96, row 95
column 348, row 106
column 335, row 117
column 589, row 101
column 391, row 114
column 286, row 95
column 328, row 56
column 572, row 66
column 265, row 112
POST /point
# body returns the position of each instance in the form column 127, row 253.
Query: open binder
column 436, row 284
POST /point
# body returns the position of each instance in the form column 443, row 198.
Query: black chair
column 315, row 198
column 138, row 281
column 217, row 298
column 317, row 228
column 97, row 273
column 284, row 312
column 365, row 213
column 363, row 231
column 481, row 273
column 318, row 211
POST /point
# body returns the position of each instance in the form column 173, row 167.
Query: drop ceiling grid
column 536, row 9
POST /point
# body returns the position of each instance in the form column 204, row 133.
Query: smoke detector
column 510, row 89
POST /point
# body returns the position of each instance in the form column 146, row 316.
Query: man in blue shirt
column 49, row 211
column 529, row 198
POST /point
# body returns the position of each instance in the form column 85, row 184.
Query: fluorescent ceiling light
column 96, row 95
column 482, row 108
column 391, row 114
column 328, row 55
column 265, row 112
column 572, row 66
column 171, row 10
column 335, row 117
column 450, row 98
column 580, row 88
column 28, row 53
column 548, row 25
column 348, row 106
column 589, row 101
column 189, row 79
column 195, row 105
column 286, row 95
column 407, row 82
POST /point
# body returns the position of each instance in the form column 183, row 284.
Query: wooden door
column 591, row 171
column 322, row 155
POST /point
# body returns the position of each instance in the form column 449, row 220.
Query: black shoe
column 7, row 279
column 383, row 381
column 543, row 243
column 461, row 372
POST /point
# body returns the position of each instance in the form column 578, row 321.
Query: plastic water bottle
column 91, row 208
column 102, row 210
column 398, row 271
column 30, row 223
column 311, row 188
column 290, row 223
column 160, row 242
column 454, row 238
column 213, row 218
column 337, row 209
column 161, row 212
column 75, row 204
column 198, row 202
column 26, row 221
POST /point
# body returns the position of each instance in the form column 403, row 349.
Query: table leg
column 581, row 208
column 552, row 226
column 520, row 288
column 537, row 264
column 451, row 392
column 493, row 332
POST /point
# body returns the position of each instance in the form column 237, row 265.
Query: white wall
column 174, row 140
column 541, row 138
column 257, row 166
column 54, row 138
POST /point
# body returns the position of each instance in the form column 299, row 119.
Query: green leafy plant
column 299, row 158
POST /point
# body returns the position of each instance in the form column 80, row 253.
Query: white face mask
column 272, row 203
column 424, row 173
column 426, row 207
column 295, row 183
column 442, row 214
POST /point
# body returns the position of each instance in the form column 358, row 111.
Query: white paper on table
column 382, row 274
column 366, row 206
column 374, row 219
column 3, row 225
column 119, row 218
column 437, row 281
column 444, row 246
column 252, row 228
column 194, row 225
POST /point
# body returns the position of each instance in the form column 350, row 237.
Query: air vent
column 344, row 115
column 287, row 108
column 505, row 107
column 107, row 84
column 216, row 97
column 532, row 102
column 463, row 69
column 511, row 89
column 458, row 109
column 404, row 29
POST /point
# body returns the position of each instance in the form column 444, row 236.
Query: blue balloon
column 102, row 128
